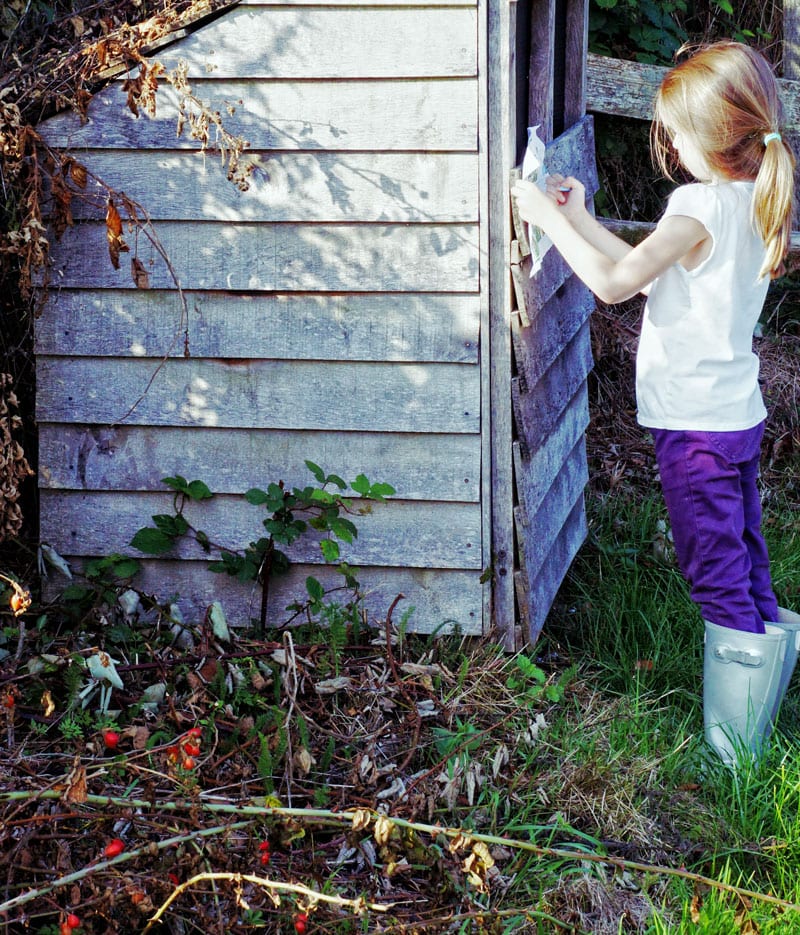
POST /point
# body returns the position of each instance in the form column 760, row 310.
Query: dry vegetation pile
column 221, row 774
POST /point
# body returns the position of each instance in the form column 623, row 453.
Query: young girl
column 706, row 269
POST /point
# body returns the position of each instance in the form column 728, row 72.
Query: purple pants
column 711, row 491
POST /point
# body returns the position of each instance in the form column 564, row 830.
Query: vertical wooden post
column 576, row 48
column 502, row 146
column 791, row 40
column 542, row 68
column 791, row 62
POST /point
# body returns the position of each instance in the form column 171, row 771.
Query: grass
column 629, row 763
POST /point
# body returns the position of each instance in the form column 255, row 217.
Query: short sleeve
column 693, row 201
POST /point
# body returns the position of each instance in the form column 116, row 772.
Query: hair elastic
column 772, row 136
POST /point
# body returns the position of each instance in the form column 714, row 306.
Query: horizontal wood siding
column 413, row 114
column 552, row 353
column 436, row 600
column 398, row 533
column 422, row 327
column 333, row 312
column 349, row 397
column 310, row 186
column 125, row 458
column 282, row 257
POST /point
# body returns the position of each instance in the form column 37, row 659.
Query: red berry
column 73, row 921
column 114, row 848
column 194, row 732
column 188, row 763
column 265, row 858
column 191, row 749
column 173, row 878
column 111, row 739
column 300, row 922
column 264, row 846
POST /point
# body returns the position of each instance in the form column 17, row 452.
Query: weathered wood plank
column 395, row 533
column 285, row 115
column 791, row 40
column 298, row 42
column 537, row 533
column 441, row 600
column 538, row 345
column 541, row 76
column 130, row 458
column 538, row 411
column 318, row 186
column 572, row 153
column 535, row 475
column 281, row 257
column 261, row 394
column 575, row 51
column 361, row 326
column 539, row 594
column 488, row 405
column 623, row 88
column 628, row 89
column 502, row 145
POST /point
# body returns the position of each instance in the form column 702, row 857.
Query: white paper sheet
column 533, row 170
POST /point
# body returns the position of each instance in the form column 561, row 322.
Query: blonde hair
column 725, row 99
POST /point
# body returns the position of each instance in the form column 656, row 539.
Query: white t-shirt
column 695, row 367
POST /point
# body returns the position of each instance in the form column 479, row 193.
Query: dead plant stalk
column 354, row 819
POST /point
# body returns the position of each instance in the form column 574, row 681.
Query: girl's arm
column 612, row 269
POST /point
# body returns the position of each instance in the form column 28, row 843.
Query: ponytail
column 773, row 203
column 726, row 99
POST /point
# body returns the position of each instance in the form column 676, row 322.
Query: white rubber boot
column 741, row 678
column 789, row 621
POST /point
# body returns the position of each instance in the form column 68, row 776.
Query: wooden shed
column 355, row 307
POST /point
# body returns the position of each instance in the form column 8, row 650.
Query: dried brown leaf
column 75, row 791
column 139, row 274
column 116, row 243
column 78, row 174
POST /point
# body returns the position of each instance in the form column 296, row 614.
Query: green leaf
column 322, row 496
column 330, row 550
column 361, row 485
column 127, row 568
column 315, row 590
column 725, row 7
column 379, row 491
column 74, row 592
column 336, row 481
column 247, row 572
column 203, row 541
column 177, row 482
column 152, row 541
column 344, row 529
column 280, row 562
column 256, row 496
column 316, row 470
column 198, row 490
column 171, row 524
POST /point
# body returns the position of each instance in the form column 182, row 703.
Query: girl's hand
column 562, row 196
column 569, row 193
